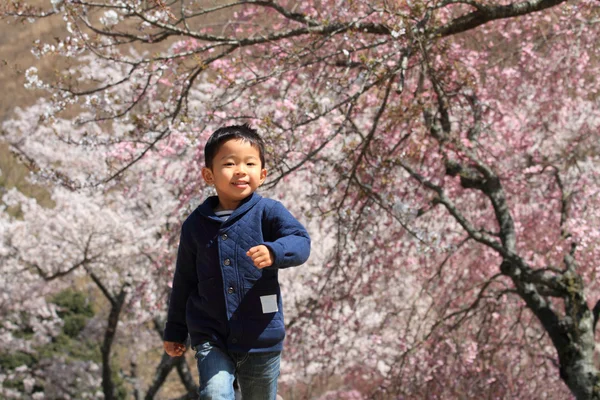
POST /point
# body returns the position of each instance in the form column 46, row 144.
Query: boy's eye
column 229, row 164
column 251, row 164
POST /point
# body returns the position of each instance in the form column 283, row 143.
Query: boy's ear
column 208, row 176
column 263, row 175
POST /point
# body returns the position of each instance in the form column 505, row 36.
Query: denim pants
column 256, row 373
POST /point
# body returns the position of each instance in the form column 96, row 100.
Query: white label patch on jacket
column 269, row 303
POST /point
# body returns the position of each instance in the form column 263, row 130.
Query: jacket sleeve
column 290, row 241
column 184, row 281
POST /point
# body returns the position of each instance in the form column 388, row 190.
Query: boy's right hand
column 174, row 349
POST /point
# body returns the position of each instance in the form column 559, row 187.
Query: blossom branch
column 485, row 14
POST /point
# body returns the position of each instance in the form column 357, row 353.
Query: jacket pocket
column 262, row 302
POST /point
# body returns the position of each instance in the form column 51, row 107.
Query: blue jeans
column 256, row 373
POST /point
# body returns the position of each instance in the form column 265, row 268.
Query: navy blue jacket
column 218, row 294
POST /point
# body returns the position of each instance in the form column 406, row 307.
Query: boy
column 225, row 290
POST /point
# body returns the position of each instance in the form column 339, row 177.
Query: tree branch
column 485, row 14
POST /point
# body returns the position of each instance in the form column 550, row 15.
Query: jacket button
column 227, row 261
column 224, row 236
column 230, row 289
column 234, row 340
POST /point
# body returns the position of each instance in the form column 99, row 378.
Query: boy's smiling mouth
column 240, row 183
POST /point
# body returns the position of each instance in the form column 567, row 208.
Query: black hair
column 241, row 132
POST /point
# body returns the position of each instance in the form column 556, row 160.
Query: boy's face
column 236, row 172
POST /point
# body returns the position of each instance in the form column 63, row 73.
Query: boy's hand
column 261, row 256
column 174, row 349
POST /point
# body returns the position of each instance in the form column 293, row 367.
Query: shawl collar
column 207, row 208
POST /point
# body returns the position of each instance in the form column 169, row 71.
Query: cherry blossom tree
column 108, row 241
column 446, row 152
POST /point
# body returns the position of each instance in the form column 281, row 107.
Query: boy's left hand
column 261, row 255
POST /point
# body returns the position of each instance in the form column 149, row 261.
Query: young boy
column 226, row 293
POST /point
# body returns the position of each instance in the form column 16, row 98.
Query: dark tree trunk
column 183, row 369
column 162, row 371
column 164, row 368
column 108, row 385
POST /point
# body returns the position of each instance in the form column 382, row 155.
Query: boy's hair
column 241, row 132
